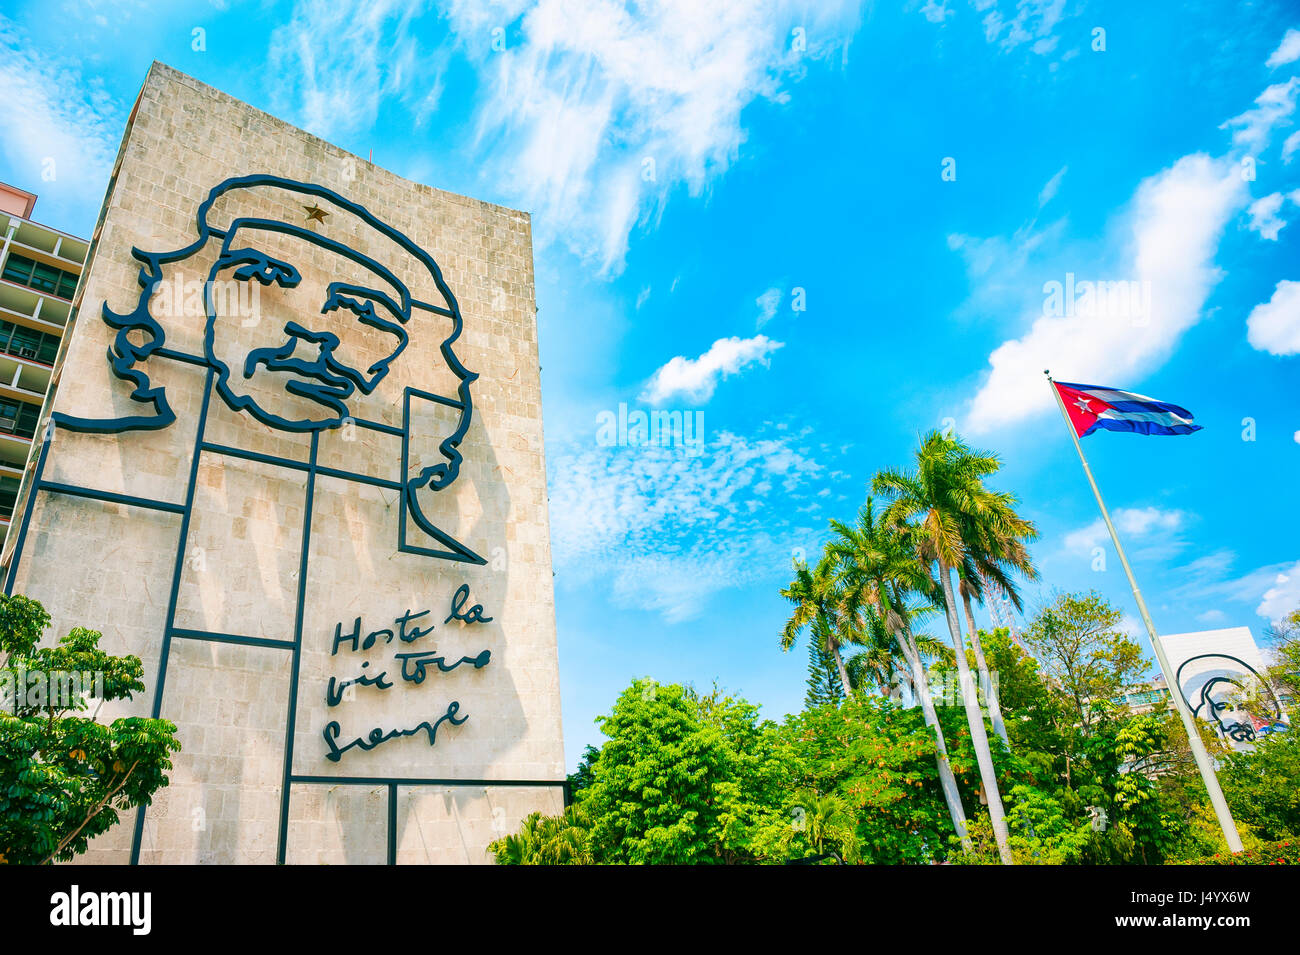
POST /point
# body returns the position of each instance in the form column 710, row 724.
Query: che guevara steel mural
column 312, row 361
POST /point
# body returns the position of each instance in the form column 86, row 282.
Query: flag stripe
column 1160, row 417
column 1129, row 400
column 1139, row 427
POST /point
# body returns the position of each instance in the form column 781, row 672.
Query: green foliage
column 547, row 840
column 679, row 781
column 879, row 759
column 64, row 778
column 1082, row 655
column 1286, row 852
column 1263, row 787
column 690, row 778
column 824, row 686
column 1285, row 639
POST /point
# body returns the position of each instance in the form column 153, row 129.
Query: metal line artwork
column 329, row 381
column 325, row 382
column 1238, row 730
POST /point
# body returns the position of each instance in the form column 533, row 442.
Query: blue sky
column 746, row 214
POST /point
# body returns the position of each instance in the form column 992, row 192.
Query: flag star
column 1082, row 405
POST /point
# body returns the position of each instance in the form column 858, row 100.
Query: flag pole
column 1175, row 692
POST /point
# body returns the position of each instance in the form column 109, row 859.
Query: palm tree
column 877, row 665
column 828, row 825
column 995, row 550
column 818, row 607
column 932, row 505
column 881, row 568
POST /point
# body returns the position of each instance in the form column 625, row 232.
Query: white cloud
column 1174, row 224
column 1264, row 217
column 767, row 304
column 335, row 62
column 664, row 531
column 1274, row 106
column 1049, row 190
column 936, row 12
column 1290, row 145
column 696, row 378
column 1132, row 523
column 1033, row 21
column 1288, row 51
column 55, row 122
column 1283, row 596
column 602, row 109
column 1273, row 589
column 1274, row 326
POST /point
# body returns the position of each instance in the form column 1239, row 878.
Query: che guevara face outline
column 304, row 352
column 324, row 379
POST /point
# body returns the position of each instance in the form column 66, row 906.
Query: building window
column 39, row 276
column 28, row 343
column 8, row 496
column 18, row 417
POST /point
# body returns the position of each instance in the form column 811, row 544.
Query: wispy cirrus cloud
column 1154, row 528
column 57, row 125
column 1274, row 107
column 767, row 304
column 334, row 62
column 695, row 379
column 665, row 530
column 1271, row 591
column 601, row 110
column 1009, row 24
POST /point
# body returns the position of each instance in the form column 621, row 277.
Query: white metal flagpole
column 1189, row 722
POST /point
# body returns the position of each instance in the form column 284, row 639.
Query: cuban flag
column 1094, row 406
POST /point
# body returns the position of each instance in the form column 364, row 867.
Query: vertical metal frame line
column 183, row 539
column 282, row 844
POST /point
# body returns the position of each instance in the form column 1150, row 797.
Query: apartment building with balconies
column 39, row 270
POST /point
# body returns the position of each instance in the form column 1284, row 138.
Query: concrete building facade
column 296, row 466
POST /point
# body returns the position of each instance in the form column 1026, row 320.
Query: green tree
column 1082, row 654
column 1262, row 786
column 547, row 840
column 936, row 504
column 995, row 537
column 64, row 778
column 823, row 681
column 681, row 780
column 1284, row 637
column 878, row 758
column 882, row 570
column 819, row 608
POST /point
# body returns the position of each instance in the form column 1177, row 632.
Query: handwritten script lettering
column 416, row 665
column 473, row 615
column 377, row 736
